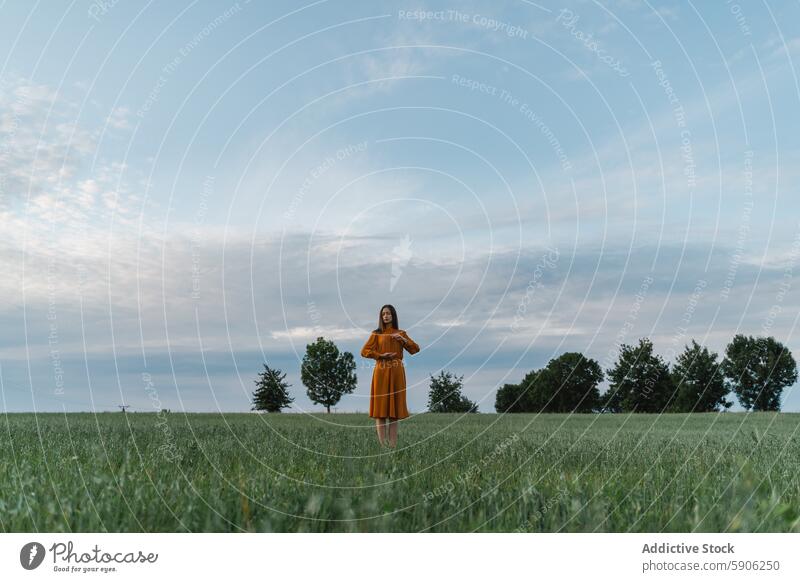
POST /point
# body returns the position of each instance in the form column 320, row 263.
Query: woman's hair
column 396, row 324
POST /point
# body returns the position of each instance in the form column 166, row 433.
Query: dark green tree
column 758, row 369
column 699, row 381
column 271, row 392
column 522, row 397
column 639, row 382
column 445, row 394
column 509, row 399
column 326, row 373
column 534, row 394
column 569, row 384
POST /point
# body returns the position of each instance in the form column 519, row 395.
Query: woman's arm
column 368, row 351
column 410, row 345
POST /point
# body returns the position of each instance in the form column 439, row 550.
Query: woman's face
column 386, row 314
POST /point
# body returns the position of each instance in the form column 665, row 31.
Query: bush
column 445, row 394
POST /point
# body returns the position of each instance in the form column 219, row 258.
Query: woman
column 387, row 398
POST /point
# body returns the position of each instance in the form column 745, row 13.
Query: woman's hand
column 399, row 337
column 388, row 355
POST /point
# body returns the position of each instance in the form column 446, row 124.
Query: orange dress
column 387, row 397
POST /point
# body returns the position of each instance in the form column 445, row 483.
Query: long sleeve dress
column 387, row 397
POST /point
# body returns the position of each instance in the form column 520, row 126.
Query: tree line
column 755, row 369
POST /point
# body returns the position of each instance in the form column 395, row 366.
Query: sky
column 189, row 190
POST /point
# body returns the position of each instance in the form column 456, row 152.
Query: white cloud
column 120, row 118
column 303, row 333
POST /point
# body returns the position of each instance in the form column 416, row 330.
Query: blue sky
column 190, row 189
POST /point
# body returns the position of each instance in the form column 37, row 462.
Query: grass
column 450, row 473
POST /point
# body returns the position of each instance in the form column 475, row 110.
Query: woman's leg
column 380, row 424
column 392, row 432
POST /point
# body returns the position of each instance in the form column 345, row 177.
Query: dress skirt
column 387, row 397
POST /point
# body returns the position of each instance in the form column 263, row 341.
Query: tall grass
column 319, row 473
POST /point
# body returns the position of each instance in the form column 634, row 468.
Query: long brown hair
column 396, row 323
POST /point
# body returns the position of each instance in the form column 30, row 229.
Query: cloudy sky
column 190, row 189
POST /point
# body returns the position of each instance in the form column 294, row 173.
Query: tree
column 699, row 381
column 326, row 373
column 533, row 397
column 640, row 381
column 569, row 384
column 523, row 397
column 509, row 399
column 758, row 369
column 271, row 392
column 445, row 394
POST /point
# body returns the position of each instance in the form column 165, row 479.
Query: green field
column 450, row 473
